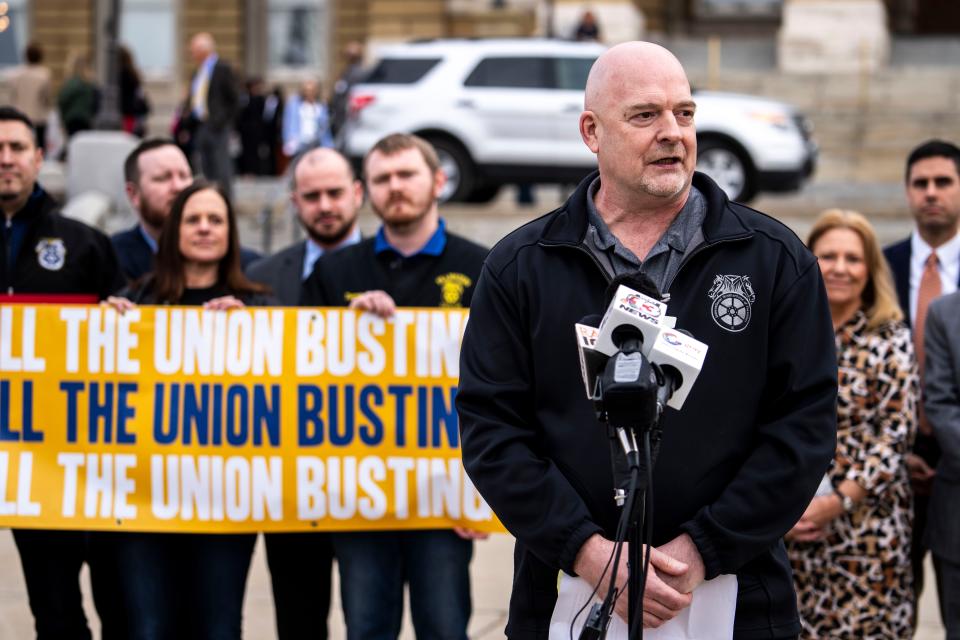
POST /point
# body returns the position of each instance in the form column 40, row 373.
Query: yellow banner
column 260, row 419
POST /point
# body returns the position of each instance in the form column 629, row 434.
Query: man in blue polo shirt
column 412, row 262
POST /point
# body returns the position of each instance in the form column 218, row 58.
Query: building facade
column 288, row 41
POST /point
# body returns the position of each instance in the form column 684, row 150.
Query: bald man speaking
column 740, row 462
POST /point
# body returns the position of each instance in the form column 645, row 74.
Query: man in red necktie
column 925, row 266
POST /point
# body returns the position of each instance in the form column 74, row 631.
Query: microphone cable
column 595, row 627
column 636, row 624
column 590, row 597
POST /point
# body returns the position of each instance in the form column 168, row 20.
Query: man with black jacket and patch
column 45, row 257
column 738, row 465
column 412, row 262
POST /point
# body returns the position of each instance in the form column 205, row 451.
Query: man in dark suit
column 942, row 348
column 326, row 196
column 351, row 75
column 155, row 172
column 927, row 265
column 213, row 102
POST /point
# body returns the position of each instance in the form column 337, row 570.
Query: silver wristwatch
column 845, row 501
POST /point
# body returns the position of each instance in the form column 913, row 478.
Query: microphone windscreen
column 592, row 320
column 636, row 280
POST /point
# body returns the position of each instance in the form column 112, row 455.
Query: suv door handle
column 573, row 108
column 465, row 103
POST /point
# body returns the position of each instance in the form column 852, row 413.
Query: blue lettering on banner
column 309, row 422
column 266, row 415
column 249, row 416
column 196, row 413
column 160, row 434
column 237, row 428
column 217, row 436
column 400, row 393
column 72, row 389
column 445, row 415
column 371, row 434
column 100, row 411
column 111, row 411
column 340, row 437
column 421, row 417
column 125, row 412
column 7, row 432
column 330, row 414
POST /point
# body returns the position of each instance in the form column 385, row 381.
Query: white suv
column 506, row 111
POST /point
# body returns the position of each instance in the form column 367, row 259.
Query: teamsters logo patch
column 733, row 299
column 452, row 287
column 51, row 253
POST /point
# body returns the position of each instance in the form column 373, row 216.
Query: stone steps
column 865, row 126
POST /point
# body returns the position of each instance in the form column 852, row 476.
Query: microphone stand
column 628, row 397
column 635, row 566
column 640, row 517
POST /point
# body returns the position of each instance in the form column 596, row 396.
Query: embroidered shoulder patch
column 51, row 253
column 733, row 299
column 452, row 287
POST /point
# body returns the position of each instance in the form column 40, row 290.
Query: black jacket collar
column 568, row 224
column 40, row 203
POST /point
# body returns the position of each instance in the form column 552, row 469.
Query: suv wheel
column 459, row 169
column 729, row 167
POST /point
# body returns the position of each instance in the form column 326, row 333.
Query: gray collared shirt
column 663, row 261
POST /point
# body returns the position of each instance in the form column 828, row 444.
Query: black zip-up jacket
column 737, row 466
column 58, row 255
column 420, row 280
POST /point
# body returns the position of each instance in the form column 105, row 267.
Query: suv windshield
column 531, row 72
column 513, row 72
column 400, row 70
column 572, row 73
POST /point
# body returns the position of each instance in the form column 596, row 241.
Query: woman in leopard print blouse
column 851, row 549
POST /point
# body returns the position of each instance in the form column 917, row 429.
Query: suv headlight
column 777, row 119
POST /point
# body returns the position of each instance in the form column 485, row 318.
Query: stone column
column 833, row 36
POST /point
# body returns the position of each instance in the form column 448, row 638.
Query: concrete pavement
column 491, row 572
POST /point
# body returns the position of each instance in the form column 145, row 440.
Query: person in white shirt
column 306, row 121
column 926, row 266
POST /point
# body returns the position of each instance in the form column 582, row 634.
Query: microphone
column 591, row 360
column 627, row 390
column 636, row 280
column 628, row 384
column 680, row 357
column 629, row 307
